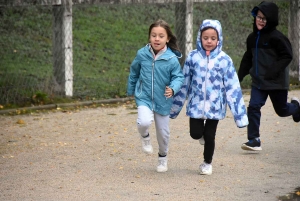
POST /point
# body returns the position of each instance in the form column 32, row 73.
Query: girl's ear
column 218, row 43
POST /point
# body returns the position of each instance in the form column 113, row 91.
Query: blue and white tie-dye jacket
column 211, row 83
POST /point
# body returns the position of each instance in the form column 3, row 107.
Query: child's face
column 158, row 38
column 209, row 39
column 260, row 20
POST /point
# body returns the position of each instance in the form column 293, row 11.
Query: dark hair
column 206, row 28
column 173, row 40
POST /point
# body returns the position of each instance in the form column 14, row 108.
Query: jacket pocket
column 139, row 88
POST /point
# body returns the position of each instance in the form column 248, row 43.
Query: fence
column 83, row 49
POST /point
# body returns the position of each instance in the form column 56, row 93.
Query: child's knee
column 253, row 108
column 281, row 112
column 195, row 136
column 143, row 123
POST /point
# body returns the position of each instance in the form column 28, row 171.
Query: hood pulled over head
column 270, row 11
column 216, row 25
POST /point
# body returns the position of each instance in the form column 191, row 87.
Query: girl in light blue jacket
column 210, row 84
column 155, row 76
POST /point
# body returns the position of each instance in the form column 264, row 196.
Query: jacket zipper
column 256, row 58
column 152, row 85
column 207, row 56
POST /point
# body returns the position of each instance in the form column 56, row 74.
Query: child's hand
column 168, row 92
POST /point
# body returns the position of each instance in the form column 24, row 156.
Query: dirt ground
column 95, row 154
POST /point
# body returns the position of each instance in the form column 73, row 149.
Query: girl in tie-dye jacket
column 211, row 83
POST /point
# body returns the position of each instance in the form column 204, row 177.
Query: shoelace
column 205, row 167
column 147, row 142
column 162, row 162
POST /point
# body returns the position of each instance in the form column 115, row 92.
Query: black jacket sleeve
column 246, row 62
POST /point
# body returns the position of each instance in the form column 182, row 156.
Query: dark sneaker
column 252, row 145
column 296, row 117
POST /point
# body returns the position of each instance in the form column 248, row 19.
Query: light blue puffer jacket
column 211, row 83
column 149, row 77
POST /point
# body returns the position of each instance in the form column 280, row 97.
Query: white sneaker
column 146, row 145
column 162, row 164
column 201, row 140
column 205, row 169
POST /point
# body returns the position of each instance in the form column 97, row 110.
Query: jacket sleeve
column 246, row 62
column 284, row 52
column 180, row 97
column 176, row 77
column 133, row 76
column 234, row 97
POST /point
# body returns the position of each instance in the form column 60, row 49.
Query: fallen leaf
column 20, row 121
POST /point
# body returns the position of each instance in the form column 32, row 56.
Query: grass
column 105, row 40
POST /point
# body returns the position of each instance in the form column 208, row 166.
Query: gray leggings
column 144, row 121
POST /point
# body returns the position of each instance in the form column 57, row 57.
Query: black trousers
column 206, row 128
column 258, row 99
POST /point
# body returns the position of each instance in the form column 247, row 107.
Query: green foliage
column 106, row 51
column 39, row 98
column 106, row 38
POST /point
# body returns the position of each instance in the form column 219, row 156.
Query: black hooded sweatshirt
column 268, row 53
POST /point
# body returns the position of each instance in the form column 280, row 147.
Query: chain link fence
column 51, row 50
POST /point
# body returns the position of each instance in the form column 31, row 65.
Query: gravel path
column 95, row 154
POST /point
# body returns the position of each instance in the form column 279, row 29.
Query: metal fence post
column 298, row 31
column 62, row 48
column 180, row 28
column 293, row 34
column 189, row 27
column 184, row 27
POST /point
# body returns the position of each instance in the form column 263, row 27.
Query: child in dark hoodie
column 266, row 59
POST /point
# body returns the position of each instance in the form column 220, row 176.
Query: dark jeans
column 258, row 99
column 208, row 129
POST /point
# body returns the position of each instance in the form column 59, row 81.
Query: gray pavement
column 95, row 154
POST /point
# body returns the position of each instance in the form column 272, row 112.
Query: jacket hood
column 215, row 24
column 270, row 11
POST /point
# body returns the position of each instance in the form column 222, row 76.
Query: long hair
column 173, row 40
